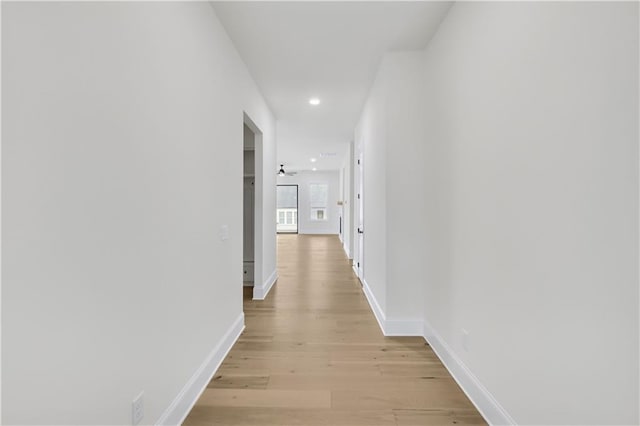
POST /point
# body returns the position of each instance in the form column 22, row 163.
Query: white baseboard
column 391, row 327
column 261, row 291
column 486, row 404
column 346, row 251
column 375, row 306
column 403, row 327
column 186, row 399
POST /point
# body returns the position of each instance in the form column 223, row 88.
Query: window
column 318, row 200
column 287, row 208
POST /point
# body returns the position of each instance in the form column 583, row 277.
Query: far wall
column 303, row 180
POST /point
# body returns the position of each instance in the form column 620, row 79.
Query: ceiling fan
column 281, row 172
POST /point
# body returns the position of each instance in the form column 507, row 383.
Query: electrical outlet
column 137, row 409
column 224, row 232
column 465, row 340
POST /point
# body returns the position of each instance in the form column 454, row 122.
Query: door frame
column 358, row 259
column 258, row 205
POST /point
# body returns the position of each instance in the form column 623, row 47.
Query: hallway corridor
column 312, row 354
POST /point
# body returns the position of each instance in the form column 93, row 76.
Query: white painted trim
column 314, row 232
column 486, row 404
column 391, row 327
column 375, row 307
column 261, row 291
column 186, row 399
column 403, row 327
column 346, row 251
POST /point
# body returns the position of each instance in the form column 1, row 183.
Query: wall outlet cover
column 465, row 340
column 224, row 232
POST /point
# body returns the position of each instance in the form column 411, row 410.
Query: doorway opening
column 248, row 207
column 287, row 209
column 252, row 224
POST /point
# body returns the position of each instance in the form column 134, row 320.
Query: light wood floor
column 312, row 354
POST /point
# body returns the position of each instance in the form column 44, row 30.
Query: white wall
column 533, row 140
column 371, row 142
column 405, row 161
column 390, row 130
column 346, row 189
column 122, row 158
column 529, row 199
column 305, row 178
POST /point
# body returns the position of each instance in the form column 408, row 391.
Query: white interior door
column 359, row 261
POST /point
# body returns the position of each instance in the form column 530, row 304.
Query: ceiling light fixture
column 314, row 101
column 281, row 171
column 313, row 160
column 314, row 169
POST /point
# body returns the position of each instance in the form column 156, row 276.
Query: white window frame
column 316, row 207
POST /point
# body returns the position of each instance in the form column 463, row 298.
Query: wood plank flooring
column 312, row 354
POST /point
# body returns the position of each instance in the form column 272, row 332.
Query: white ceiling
column 331, row 50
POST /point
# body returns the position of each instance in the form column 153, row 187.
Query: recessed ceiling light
column 314, row 169
column 313, row 160
column 314, row 101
